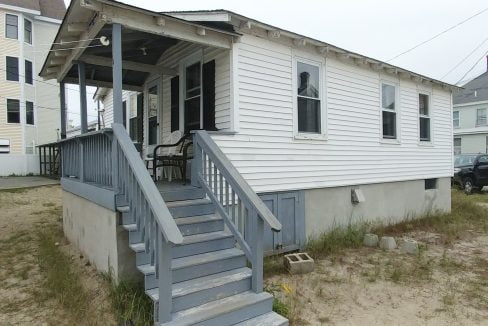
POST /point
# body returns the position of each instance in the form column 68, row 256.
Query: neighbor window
column 457, row 146
column 11, row 26
column 29, row 113
column 27, row 31
column 388, row 108
column 481, row 117
column 424, row 117
column 193, row 91
column 13, row 111
column 455, row 119
column 308, row 98
column 28, row 72
column 12, row 68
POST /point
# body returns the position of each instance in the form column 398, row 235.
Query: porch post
column 62, row 106
column 83, row 106
column 117, row 72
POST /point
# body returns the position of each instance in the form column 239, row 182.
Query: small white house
column 286, row 136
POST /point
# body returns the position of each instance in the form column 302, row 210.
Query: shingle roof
column 474, row 91
column 48, row 8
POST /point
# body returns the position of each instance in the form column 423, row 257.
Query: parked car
column 471, row 171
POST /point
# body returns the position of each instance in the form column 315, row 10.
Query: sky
column 380, row 29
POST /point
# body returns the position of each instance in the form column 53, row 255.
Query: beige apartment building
column 29, row 106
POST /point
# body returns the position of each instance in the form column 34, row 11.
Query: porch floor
column 175, row 190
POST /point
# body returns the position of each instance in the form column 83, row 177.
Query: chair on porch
column 173, row 154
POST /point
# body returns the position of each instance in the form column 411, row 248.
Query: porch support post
column 117, row 73
column 257, row 252
column 62, row 106
column 83, row 105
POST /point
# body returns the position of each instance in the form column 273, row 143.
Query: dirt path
column 23, row 215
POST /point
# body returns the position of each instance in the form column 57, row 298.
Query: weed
column 273, row 265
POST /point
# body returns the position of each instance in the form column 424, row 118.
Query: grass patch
column 273, row 265
column 337, row 239
column 14, row 190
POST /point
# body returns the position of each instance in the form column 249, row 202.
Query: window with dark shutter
column 175, row 103
column 209, row 95
column 12, row 68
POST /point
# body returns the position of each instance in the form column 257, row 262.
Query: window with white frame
column 308, row 98
column 455, row 119
column 481, row 117
column 389, row 111
column 192, row 96
column 11, row 26
column 424, row 117
column 457, row 146
column 12, row 72
column 29, row 113
column 13, row 111
column 28, row 72
column 27, row 31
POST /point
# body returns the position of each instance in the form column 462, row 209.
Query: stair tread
column 269, row 319
column 189, row 202
column 195, row 259
column 123, row 209
column 130, row 227
column 216, row 308
column 197, row 219
column 204, row 282
column 138, row 247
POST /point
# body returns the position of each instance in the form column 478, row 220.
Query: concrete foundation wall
column 95, row 231
column 387, row 202
column 19, row 164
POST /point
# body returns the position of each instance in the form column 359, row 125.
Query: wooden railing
column 242, row 210
column 49, row 160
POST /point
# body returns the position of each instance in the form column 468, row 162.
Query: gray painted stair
column 211, row 280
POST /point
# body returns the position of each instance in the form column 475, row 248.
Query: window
column 13, row 111
column 11, row 26
column 133, row 121
column 27, row 31
column 28, row 72
column 29, row 113
column 4, row 146
column 153, row 115
column 430, row 184
column 457, row 146
column 481, row 117
column 388, row 108
column 12, row 68
column 193, row 91
column 455, row 119
column 424, row 117
column 124, row 113
column 308, row 98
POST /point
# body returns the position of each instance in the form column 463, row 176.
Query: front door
column 152, row 111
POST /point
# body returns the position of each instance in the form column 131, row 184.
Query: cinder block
column 388, row 243
column 299, row 263
column 370, row 240
column 409, row 246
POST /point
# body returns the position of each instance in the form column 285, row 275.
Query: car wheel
column 468, row 186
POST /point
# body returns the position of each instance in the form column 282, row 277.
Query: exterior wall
column 474, row 143
column 270, row 157
column 98, row 235
column 326, row 208
column 19, row 164
column 473, row 137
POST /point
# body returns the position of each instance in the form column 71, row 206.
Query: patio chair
column 175, row 154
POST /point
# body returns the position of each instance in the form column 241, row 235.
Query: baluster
column 227, row 207
column 239, row 216
column 221, row 188
column 216, row 190
column 210, row 176
column 164, row 280
column 233, row 207
column 204, row 171
column 257, row 250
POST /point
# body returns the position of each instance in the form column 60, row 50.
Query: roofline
column 468, row 104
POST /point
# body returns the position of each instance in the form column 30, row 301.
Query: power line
column 465, row 58
column 439, row 34
column 470, row 69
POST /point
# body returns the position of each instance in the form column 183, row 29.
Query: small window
column 11, row 26
column 28, row 72
column 4, row 146
column 430, row 184
column 388, row 108
column 308, row 98
column 12, row 68
column 457, row 146
column 455, row 119
column 27, row 31
column 13, row 111
column 481, row 117
column 29, row 113
column 424, row 117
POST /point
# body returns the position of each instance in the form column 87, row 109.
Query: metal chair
column 173, row 155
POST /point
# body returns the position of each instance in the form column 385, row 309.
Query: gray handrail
column 209, row 146
column 151, row 193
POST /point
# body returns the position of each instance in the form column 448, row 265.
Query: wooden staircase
column 211, row 278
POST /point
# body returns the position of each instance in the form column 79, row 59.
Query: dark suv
column 471, row 171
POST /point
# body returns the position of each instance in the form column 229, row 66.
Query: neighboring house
column 470, row 117
column 29, row 109
column 325, row 136
column 76, row 131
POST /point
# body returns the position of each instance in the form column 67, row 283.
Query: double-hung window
column 481, row 117
column 28, row 72
column 457, row 146
column 424, row 117
column 11, row 26
column 308, row 98
column 12, row 68
column 27, row 31
column 29, row 113
column 455, row 119
column 389, row 111
column 13, row 111
column 193, row 94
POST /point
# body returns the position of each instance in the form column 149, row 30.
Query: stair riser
column 247, row 312
column 201, row 227
column 134, row 237
column 192, row 210
column 202, row 247
column 188, row 194
column 127, row 219
column 142, row 258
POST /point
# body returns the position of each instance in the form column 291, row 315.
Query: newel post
column 196, row 164
column 257, row 248
column 164, row 280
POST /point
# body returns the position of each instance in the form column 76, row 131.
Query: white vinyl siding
column 270, row 158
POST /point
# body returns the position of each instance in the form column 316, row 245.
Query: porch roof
column 86, row 32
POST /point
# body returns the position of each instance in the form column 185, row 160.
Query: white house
column 285, row 133
column 29, row 109
column 469, row 117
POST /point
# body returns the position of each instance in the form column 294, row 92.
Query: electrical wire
column 40, row 107
column 437, row 35
column 66, row 49
column 77, row 41
column 465, row 58
column 470, row 69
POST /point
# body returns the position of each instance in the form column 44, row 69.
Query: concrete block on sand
column 370, row 240
column 409, row 246
column 298, row 263
column 387, row 243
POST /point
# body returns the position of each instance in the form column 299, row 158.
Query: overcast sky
column 379, row 29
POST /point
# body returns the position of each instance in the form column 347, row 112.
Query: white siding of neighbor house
column 269, row 157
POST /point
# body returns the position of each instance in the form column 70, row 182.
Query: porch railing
column 242, row 210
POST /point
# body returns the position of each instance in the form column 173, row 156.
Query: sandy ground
column 22, row 214
column 368, row 286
